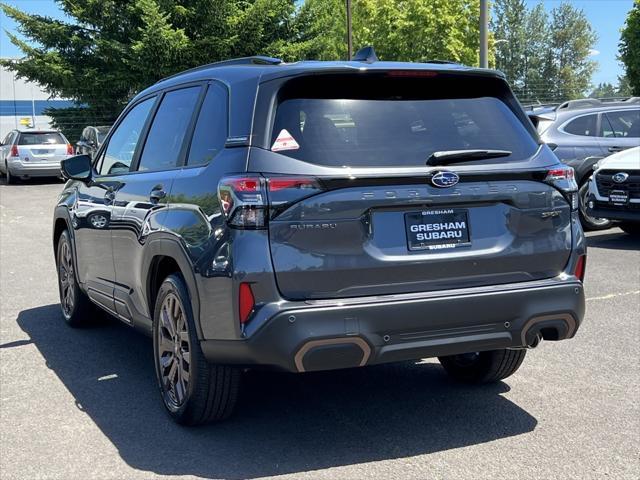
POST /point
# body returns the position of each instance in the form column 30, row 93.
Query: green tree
column 509, row 26
column 604, row 90
column 629, row 48
column 536, row 54
column 545, row 57
column 398, row 29
column 113, row 48
column 572, row 38
column 624, row 87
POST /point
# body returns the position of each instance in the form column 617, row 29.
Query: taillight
column 563, row 178
column 283, row 191
column 14, row 151
column 581, row 267
column 69, row 149
column 243, row 200
column 248, row 201
column 246, row 302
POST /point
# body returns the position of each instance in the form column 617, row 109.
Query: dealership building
column 22, row 104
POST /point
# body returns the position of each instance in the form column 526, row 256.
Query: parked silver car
column 581, row 132
column 33, row 153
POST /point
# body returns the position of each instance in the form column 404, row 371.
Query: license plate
column 437, row 229
column 619, row 197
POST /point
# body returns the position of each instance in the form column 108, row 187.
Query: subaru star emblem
column 620, row 177
column 445, row 179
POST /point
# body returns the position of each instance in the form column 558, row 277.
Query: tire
column 10, row 178
column 630, row 228
column 483, row 367
column 193, row 391
column 588, row 222
column 77, row 309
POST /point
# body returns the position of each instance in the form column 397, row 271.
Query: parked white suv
column 614, row 190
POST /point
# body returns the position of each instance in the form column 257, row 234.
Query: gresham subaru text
column 322, row 215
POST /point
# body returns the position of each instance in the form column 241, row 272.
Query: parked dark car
column 91, row 139
column 33, row 153
column 581, row 132
column 322, row 215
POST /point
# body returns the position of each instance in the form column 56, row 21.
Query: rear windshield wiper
column 446, row 157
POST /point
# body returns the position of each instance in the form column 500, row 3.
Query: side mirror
column 77, row 168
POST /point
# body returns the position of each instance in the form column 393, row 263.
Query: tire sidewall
column 10, row 178
column 175, row 284
column 584, row 220
column 64, row 238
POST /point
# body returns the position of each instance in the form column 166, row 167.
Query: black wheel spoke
column 173, row 350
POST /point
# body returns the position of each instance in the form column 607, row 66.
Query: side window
column 625, row 123
column 169, row 127
column 210, row 133
column 585, row 126
column 122, row 144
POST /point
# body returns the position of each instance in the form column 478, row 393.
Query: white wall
column 18, row 99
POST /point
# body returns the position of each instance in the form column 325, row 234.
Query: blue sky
column 606, row 17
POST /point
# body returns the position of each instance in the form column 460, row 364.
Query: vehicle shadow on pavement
column 616, row 241
column 285, row 423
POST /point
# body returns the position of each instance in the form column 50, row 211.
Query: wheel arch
column 162, row 257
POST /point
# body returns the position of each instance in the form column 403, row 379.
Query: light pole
column 349, row 44
column 484, row 44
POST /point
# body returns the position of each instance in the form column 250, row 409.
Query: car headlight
column 596, row 166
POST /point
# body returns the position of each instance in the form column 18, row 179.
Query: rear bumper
column 25, row 169
column 324, row 335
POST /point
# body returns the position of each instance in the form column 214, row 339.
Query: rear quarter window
column 386, row 122
column 586, row 126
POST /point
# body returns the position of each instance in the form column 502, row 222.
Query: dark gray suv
column 322, row 215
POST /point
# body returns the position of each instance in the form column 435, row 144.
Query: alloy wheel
column 174, row 351
column 66, row 279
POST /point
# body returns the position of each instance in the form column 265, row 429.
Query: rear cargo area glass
column 387, row 121
column 40, row 139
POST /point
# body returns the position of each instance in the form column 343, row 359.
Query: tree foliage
column 114, row 48
column 604, row 90
column 399, row 30
column 545, row 56
column 629, row 48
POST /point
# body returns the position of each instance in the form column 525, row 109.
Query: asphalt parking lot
column 79, row 404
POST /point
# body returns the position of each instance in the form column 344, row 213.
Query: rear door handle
column 616, row 149
column 157, row 194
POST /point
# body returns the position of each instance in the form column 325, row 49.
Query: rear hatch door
column 371, row 218
column 42, row 147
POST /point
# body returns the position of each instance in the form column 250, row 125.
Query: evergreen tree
column 114, row 48
column 629, row 48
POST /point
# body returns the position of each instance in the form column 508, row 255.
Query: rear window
column 387, row 122
column 41, row 139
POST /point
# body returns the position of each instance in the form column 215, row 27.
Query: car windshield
column 395, row 130
column 41, row 138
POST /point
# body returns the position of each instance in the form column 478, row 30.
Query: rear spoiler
column 535, row 117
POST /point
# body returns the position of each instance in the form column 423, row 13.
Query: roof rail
column 255, row 60
column 581, row 103
column 365, row 54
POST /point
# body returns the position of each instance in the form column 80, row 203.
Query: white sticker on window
column 284, row 142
